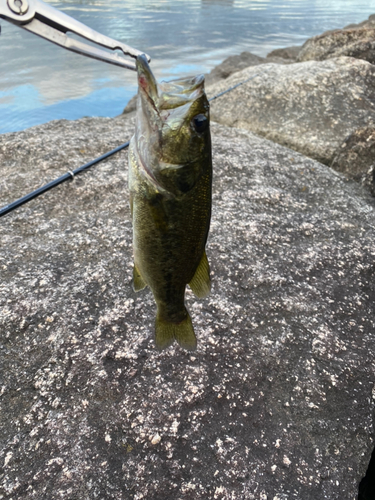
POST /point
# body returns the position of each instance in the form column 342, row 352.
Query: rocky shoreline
column 324, row 109
column 277, row 403
column 331, row 105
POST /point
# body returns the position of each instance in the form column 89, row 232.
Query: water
column 40, row 81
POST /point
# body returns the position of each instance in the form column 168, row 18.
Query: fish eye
column 200, row 123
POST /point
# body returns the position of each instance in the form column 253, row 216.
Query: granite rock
column 286, row 52
column 369, row 21
column 354, row 41
column 356, row 157
column 277, row 403
column 131, row 106
column 238, row 62
column 310, row 107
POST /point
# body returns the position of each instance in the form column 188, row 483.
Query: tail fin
column 167, row 332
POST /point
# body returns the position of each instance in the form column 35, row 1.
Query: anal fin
column 201, row 283
column 138, row 282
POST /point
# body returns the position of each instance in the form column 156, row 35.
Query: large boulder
column 131, row 106
column 285, row 52
column 353, row 41
column 276, row 403
column 356, row 157
column 310, row 107
column 369, row 21
column 238, row 62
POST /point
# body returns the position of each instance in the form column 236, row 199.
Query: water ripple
column 41, row 82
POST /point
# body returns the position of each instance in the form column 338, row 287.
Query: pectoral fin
column 138, row 282
column 201, row 283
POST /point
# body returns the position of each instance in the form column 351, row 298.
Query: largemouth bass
column 170, row 177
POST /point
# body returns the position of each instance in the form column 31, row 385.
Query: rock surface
column 277, row 403
column 286, row 52
column 310, row 107
column 369, row 21
column 354, row 41
column 131, row 106
column 356, row 157
column 235, row 63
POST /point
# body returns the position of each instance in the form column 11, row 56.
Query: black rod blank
column 231, row 88
column 59, row 180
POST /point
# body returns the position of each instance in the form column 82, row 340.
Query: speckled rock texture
column 286, row 52
column 371, row 19
column 353, row 41
column 131, row 106
column 310, row 107
column 356, row 157
column 277, row 403
column 238, row 62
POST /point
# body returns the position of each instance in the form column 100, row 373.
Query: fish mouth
column 167, row 96
column 165, row 130
column 184, row 85
column 146, row 80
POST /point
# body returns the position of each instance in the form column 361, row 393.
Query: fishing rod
column 71, row 174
